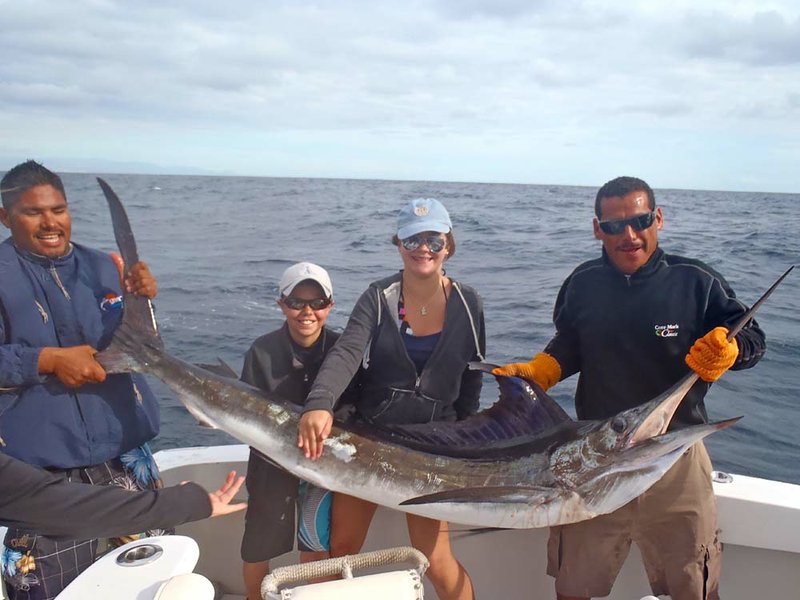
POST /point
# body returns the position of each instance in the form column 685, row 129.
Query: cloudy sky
column 689, row 94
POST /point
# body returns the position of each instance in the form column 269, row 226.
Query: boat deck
column 759, row 521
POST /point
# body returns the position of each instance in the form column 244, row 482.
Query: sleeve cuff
column 29, row 366
column 319, row 401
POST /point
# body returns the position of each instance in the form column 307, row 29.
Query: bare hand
column 221, row 498
column 314, row 428
column 138, row 280
column 74, row 366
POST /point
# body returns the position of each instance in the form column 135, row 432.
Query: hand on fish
column 138, row 280
column 543, row 370
column 314, row 428
column 74, row 366
column 713, row 354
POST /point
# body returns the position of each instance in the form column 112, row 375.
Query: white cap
column 305, row 271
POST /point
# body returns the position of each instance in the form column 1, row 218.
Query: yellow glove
column 713, row 354
column 543, row 370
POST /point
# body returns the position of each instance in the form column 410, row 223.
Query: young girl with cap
column 285, row 362
column 413, row 334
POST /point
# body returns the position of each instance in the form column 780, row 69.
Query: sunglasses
column 299, row 303
column 435, row 243
column 638, row 223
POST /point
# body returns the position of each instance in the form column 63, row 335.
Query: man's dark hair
column 24, row 177
column 622, row 186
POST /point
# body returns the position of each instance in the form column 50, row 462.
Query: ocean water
column 219, row 244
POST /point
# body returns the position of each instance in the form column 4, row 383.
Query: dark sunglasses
column 299, row 303
column 435, row 243
column 638, row 223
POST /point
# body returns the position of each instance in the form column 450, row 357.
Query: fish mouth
column 676, row 439
column 652, row 418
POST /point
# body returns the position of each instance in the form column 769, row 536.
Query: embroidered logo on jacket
column 111, row 302
column 666, row 331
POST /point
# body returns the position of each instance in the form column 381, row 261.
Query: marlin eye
column 618, row 424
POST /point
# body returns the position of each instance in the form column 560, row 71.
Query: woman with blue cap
column 412, row 334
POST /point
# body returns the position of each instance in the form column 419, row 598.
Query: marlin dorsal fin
column 220, row 368
column 522, row 414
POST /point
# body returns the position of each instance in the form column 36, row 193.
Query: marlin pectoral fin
column 200, row 418
column 473, row 531
column 517, row 494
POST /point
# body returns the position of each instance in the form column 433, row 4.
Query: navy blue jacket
column 628, row 335
column 64, row 302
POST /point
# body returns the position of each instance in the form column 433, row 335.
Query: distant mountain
column 62, row 164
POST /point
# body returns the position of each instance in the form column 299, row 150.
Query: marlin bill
column 521, row 463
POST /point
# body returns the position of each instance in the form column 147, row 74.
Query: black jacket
column 389, row 389
column 34, row 500
column 271, row 364
column 628, row 335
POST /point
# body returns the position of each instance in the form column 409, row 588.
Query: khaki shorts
column 674, row 524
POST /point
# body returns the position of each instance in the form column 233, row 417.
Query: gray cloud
column 503, row 9
column 498, row 74
column 662, row 108
column 763, row 39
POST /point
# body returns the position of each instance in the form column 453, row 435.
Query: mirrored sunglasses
column 435, row 243
column 300, row 303
column 638, row 223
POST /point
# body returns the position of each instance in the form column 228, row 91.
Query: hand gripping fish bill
column 521, row 463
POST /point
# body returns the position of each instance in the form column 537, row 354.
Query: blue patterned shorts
column 281, row 508
column 314, row 524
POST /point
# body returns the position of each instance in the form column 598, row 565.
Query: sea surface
column 219, row 244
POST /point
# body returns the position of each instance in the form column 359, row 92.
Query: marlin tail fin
column 138, row 328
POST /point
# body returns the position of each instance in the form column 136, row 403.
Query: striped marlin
column 521, row 463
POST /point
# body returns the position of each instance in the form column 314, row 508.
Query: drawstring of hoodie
column 57, row 279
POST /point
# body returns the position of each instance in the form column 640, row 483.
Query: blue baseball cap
column 422, row 214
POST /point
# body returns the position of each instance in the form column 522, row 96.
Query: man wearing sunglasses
column 632, row 323
column 286, row 362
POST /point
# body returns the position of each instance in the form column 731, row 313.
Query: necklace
column 423, row 308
